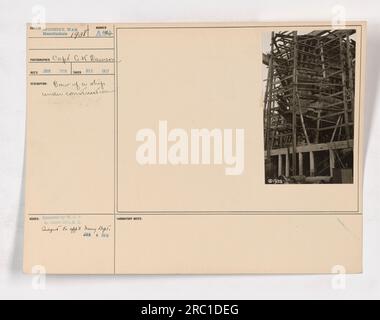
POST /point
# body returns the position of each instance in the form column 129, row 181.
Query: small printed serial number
column 275, row 181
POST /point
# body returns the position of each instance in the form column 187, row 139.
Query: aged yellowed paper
column 210, row 148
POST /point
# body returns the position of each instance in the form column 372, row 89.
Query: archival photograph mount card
column 194, row 148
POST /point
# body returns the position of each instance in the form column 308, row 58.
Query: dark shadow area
column 18, row 247
column 372, row 82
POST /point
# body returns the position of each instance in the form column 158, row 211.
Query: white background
column 13, row 284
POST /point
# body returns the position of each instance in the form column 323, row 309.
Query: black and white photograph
column 309, row 106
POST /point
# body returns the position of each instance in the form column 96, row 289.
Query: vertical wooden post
column 344, row 88
column 322, row 61
column 350, row 74
column 312, row 167
column 300, row 163
column 294, row 102
column 279, row 165
column 287, row 164
column 318, row 126
column 332, row 161
column 268, row 100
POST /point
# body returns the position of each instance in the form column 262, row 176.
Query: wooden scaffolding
column 309, row 103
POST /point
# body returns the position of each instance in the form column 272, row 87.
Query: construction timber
column 309, row 106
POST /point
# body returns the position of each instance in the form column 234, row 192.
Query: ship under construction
column 309, row 107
